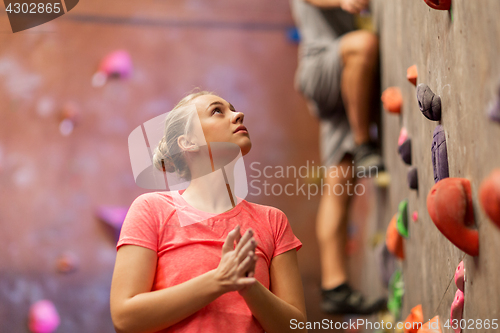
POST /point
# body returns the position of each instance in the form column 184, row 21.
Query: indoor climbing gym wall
column 71, row 92
column 441, row 80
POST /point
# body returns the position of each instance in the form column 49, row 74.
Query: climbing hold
column 460, row 276
column 432, row 326
column 439, row 4
column 414, row 216
column 414, row 320
column 489, row 196
column 403, row 135
column 393, row 240
column 113, row 217
column 396, row 292
column 405, row 151
column 494, row 108
column 428, row 102
column 67, row 263
column 70, row 116
column 117, row 64
column 293, row 35
column 457, row 308
column 383, row 179
column 439, row 154
column 449, row 203
column 402, row 223
column 43, row 317
column 387, row 264
column 392, row 99
column 412, row 179
column 412, row 74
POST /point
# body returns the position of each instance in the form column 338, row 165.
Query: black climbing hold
column 428, row 102
column 405, row 151
column 413, row 179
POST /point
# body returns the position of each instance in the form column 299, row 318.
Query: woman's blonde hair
column 168, row 157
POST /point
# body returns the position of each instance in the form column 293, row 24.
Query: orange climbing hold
column 439, row 4
column 489, row 196
column 412, row 74
column 449, row 203
column 392, row 99
column 415, row 320
column 393, row 240
column 432, row 326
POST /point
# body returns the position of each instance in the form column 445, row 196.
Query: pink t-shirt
column 186, row 251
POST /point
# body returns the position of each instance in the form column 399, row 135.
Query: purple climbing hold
column 113, row 217
column 439, row 154
column 494, row 110
column 428, row 102
column 413, row 179
column 405, row 151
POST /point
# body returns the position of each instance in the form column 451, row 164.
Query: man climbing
column 336, row 73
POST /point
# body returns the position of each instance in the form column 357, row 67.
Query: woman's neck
column 213, row 192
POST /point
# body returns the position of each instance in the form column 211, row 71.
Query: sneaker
column 344, row 300
column 367, row 160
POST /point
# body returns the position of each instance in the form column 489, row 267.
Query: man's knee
column 360, row 43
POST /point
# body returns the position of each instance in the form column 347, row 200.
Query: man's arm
column 351, row 6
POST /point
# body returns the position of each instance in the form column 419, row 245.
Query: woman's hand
column 237, row 265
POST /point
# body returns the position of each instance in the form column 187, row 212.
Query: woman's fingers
column 246, row 237
column 233, row 236
column 249, row 246
column 246, row 264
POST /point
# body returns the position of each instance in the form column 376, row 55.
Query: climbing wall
column 456, row 54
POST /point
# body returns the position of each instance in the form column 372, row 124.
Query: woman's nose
column 238, row 116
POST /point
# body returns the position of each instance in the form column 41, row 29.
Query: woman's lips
column 241, row 129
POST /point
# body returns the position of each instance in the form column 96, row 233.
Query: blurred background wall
column 51, row 184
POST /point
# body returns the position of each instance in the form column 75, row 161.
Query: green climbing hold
column 402, row 224
column 396, row 292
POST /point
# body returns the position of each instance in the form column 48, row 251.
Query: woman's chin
column 245, row 149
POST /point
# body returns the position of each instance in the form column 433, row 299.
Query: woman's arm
column 135, row 308
column 276, row 308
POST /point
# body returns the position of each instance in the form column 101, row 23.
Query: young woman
column 202, row 259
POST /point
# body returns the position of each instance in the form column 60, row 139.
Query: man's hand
column 354, row 6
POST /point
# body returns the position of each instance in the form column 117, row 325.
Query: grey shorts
column 318, row 79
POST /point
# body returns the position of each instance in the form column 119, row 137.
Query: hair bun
column 163, row 162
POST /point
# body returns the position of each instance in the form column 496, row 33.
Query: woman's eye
column 216, row 110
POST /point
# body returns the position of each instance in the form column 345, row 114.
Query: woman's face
column 221, row 122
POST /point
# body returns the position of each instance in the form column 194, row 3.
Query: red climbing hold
column 412, row 74
column 432, row 326
column 489, row 196
column 393, row 240
column 392, row 99
column 449, row 203
column 460, row 276
column 415, row 320
column 457, row 308
column 439, row 4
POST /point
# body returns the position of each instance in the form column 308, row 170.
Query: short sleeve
column 140, row 226
column 284, row 238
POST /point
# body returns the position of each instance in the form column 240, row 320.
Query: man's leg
column 331, row 226
column 359, row 52
column 331, row 232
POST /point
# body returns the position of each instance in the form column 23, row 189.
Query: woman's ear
column 187, row 145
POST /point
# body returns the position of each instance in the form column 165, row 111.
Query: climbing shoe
column 344, row 300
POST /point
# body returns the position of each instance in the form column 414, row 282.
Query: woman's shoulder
column 154, row 199
column 264, row 210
